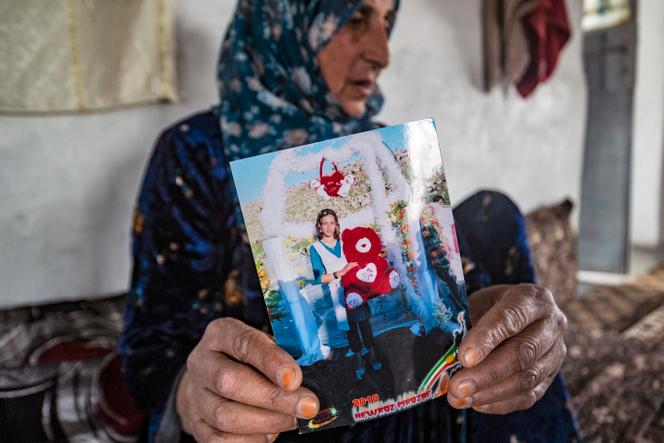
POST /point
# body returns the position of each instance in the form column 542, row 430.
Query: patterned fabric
column 60, row 375
column 602, row 14
column 272, row 94
column 185, row 232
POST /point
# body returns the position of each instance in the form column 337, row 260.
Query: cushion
column 553, row 244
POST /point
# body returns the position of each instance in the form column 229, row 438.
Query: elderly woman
column 196, row 354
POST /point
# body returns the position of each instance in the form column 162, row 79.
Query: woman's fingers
column 523, row 381
column 515, row 355
column 517, row 307
column 516, row 385
column 512, row 354
column 525, row 400
column 205, row 433
column 235, row 381
column 237, row 418
column 238, row 385
column 248, row 345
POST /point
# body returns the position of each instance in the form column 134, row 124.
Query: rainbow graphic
column 448, row 362
column 324, row 418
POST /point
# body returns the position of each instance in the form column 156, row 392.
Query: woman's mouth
column 363, row 87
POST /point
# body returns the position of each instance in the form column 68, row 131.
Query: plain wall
column 647, row 208
column 531, row 149
column 69, row 181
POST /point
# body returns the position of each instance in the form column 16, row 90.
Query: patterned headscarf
column 272, row 92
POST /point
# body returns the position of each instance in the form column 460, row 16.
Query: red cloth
column 116, row 408
column 548, row 30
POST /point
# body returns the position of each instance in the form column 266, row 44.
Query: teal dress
column 317, row 262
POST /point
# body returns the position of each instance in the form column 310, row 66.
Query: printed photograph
column 355, row 247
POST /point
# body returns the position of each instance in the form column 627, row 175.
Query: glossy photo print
column 355, row 248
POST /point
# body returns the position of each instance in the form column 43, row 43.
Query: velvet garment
column 185, row 235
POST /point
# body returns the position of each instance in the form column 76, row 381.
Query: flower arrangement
column 276, row 306
column 397, row 216
column 434, row 241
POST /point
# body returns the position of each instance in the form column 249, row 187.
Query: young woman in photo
column 330, row 265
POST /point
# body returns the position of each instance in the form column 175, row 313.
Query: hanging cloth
column 79, row 55
column 548, row 31
column 522, row 41
column 506, row 51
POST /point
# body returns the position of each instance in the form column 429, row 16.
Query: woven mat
column 617, row 308
column 615, row 364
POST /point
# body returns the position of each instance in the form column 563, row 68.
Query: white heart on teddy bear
column 363, row 245
column 367, row 274
column 353, row 300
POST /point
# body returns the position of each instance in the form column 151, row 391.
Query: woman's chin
column 354, row 108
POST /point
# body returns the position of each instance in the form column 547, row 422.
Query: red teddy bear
column 373, row 275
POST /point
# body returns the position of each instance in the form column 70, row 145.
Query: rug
column 615, row 363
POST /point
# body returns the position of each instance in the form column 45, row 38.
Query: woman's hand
column 346, row 268
column 512, row 353
column 238, row 385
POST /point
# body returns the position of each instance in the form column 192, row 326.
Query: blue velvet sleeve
column 182, row 253
column 190, row 259
column 316, row 264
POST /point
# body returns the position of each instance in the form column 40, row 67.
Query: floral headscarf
column 272, row 92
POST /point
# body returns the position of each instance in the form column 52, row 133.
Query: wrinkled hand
column 513, row 352
column 347, row 268
column 238, row 385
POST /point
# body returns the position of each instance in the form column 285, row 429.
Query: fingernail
column 286, row 376
column 466, row 388
column 462, row 403
column 307, row 407
column 471, row 357
column 271, row 437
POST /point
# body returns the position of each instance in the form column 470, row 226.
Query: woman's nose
column 376, row 49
